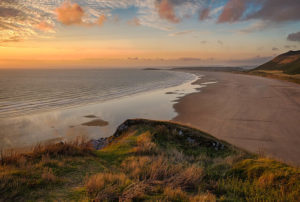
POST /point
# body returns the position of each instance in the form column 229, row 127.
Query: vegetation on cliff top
column 146, row 160
column 288, row 62
column 284, row 67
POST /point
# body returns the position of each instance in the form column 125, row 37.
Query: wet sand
column 91, row 121
column 251, row 112
column 96, row 122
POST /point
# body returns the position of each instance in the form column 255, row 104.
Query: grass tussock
column 28, row 176
column 204, row 197
column 262, row 180
column 145, row 145
column 76, row 148
column 176, row 194
column 79, row 147
column 106, row 186
column 147, row 162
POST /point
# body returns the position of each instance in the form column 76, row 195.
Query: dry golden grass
column 106, row 186
column 150, row 173
column 266, row 179
column 145, row 146
column 135, row 166
column 144, row 165
column 160, row 169
column 277, row 74
column 262, row 179
column 149, row 168
column 79, row 147
column 11, row 157
column 188, row 178
column 136, row 191
column 208, row 197
column 176, row 194
column 48, row 175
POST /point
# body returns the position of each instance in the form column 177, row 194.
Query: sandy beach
column 251, row 112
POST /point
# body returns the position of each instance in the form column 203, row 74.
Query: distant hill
column 288, row 62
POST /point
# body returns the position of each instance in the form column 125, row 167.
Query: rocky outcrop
column 192, row 136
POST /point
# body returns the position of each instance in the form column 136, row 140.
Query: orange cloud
column 166, row 11
column 135, row 22
column 101, row 20
column 45, row 27
column 70, row 14
column 233, row 11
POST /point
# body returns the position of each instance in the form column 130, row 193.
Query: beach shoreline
column 254, row 113
column 21, row 97
column 93, row 120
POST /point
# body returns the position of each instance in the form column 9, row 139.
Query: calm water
column 30, row 91
column 39, row 106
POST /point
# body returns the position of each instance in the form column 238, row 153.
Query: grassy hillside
column 149, row 161
column 288, row 62
column 276, row 74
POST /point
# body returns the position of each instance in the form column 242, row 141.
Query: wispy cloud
column 181, row 33
column 24, row 19
column 21, row 20
column 45, row 27
column 256, row 26
column 220, row 42
column 134, row 22
column 190, row 59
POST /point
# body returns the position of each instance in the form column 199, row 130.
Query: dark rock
column 100, row 143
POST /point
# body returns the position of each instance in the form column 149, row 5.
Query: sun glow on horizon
column 138, row 33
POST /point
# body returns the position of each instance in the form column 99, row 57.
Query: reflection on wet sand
column 90, row 116
column 169, row 93
column 96, row 122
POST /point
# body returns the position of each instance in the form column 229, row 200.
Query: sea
column 49, row 105
column 31, row 91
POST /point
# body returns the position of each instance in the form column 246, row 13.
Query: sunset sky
column 140, row 33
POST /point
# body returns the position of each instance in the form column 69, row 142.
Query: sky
column 145, row 33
